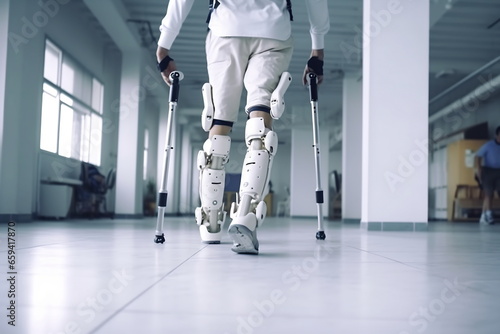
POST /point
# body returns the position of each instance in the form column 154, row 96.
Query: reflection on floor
column 107, row 276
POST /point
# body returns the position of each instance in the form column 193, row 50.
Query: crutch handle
column 312, row 79
column 175, row 77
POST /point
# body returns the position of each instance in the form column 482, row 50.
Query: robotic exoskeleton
column 250, row 211
column 211, row 160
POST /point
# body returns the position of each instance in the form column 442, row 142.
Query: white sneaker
column 243, row 232
column 489, row 218
column 486, row 218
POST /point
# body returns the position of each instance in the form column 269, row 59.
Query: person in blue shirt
column 488, row 174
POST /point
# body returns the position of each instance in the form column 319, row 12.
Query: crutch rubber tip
column 320, row 235
column 159, row 239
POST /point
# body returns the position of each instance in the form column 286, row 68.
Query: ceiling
column 464, row 39
column 189, row 52
column 464, row 35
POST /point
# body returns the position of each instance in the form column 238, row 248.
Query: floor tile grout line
column 413, row 267
column 61, row 243
column 51, row 244
column 44, row 245
column 388, row 258
column 98, row 327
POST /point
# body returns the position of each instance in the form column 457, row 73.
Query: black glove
column 316, row 65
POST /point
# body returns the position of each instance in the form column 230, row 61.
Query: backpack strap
column 212, row 4
column 289, row 7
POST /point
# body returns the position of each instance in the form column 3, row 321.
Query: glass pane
column 85, row 138
column 68, row 125
column 97, row 95
column 95, row 140
column 78, row 135
column 52, row 62
column 49, row 89
column 80, row 108
column 68, row 77
column 50, row 122
column 83, row 88
column 76, row 81
column 66, row 99
column 66, row 131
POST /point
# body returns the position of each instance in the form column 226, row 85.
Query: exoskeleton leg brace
column 211, row 160
column 278, row 96
column 262, row 146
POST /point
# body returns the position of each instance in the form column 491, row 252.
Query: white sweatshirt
column 243, row 18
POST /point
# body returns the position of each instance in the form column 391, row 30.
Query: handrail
column 449, row 89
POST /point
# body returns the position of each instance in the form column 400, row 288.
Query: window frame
column 83, row 148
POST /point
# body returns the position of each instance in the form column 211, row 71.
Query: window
column 72, row 107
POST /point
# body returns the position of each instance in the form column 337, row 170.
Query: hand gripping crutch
column 313, row 93
column 175, row 77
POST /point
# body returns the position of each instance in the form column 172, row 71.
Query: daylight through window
column 72, row 107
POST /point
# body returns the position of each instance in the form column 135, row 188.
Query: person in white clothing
column 249, row 45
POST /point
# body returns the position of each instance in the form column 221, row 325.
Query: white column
column 352, row 130
column 395, row 115
column 19, row 123
column 185, row 172
column 129, row 181
column 4, row 32
column 303, row 172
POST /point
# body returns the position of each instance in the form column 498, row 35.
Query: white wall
column 151, row 120
column 388, row 105
column 438, row 191
column 281, row 173
column 186, row 166
column 18, row 156
column 22, row 108
column 303, row 172
column 4, row 27
column 129, row 172
column 352, row 123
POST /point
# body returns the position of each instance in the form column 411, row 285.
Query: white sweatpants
column 255, row 63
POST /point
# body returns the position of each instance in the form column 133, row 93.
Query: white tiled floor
column 108, row 276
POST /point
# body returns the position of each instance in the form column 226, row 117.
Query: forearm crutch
column 313, row 93
column 175, row 77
